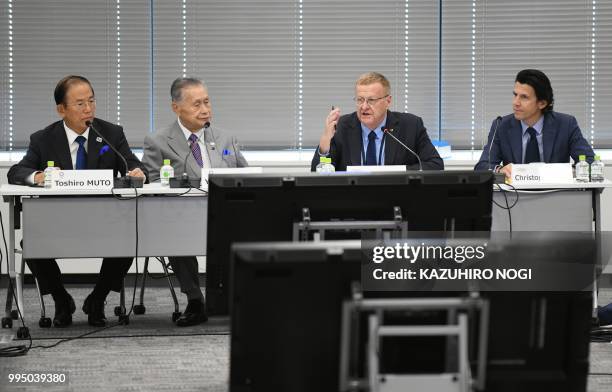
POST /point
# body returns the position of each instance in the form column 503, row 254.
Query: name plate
column 542, row 174
column 227, row 170
column 82, row 180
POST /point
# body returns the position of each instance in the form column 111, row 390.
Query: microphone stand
column 119, row 182
column 498, row 178
column 497, row 120
column 388, row 131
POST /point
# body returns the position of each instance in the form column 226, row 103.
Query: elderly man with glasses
column 70, row 145
column 373, row 135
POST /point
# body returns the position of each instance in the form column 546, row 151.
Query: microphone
column 497, row 121
column 121, row 182
column 388, row 131
column 184, row 181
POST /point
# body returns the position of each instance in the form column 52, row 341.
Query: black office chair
column 140, row 308
column 45, row 322
column 7, row 322
column 119, row 311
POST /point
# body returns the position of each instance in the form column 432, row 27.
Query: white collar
column 72, row 134
column 199, row 133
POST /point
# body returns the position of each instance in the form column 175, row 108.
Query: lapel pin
column 99, row 139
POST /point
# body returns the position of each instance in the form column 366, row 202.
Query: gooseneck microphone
column 389, row 132
column 497, row 121
column 184, row 181
column 121, row 182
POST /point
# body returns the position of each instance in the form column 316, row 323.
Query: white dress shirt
column 72, row 143
column 71, row 135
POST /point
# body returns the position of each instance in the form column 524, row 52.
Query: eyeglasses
column 370, row 101
column 81, row 104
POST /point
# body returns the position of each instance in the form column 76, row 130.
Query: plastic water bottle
column 582, row 169
column 325, row 165
column 47, row 172
column 597, row 170
column 166, row 172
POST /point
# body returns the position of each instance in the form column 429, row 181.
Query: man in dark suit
column 360, row 139
column 190, row 143
column 534, row 132
column 71, row 145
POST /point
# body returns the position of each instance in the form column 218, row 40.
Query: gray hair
column 180, row 83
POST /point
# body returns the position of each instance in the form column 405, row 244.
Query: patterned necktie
column 81, row 157
column 532, row 150
column 371, row 151
column 195, row 149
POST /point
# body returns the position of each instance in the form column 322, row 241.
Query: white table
column 559, row 207
column 556, row 207
column 85, row 224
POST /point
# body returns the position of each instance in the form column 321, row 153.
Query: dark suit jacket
column 347, row 144
column 561, row 139
column 51, row 144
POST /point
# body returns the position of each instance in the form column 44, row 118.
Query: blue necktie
column 81, row 158
column 371, row 151
column 532, row 150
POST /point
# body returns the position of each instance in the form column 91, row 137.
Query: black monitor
column 286, row 323
column 264, row 207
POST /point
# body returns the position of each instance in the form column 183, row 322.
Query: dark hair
column 180, row 83
column 63, row 85
column 540, row 84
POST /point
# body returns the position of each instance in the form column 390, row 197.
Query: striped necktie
column 195, row 149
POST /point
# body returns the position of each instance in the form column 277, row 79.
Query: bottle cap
column 166, row 162
column 582, row 158
column 50, row 163
column 325, row 160
column 597, row 157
